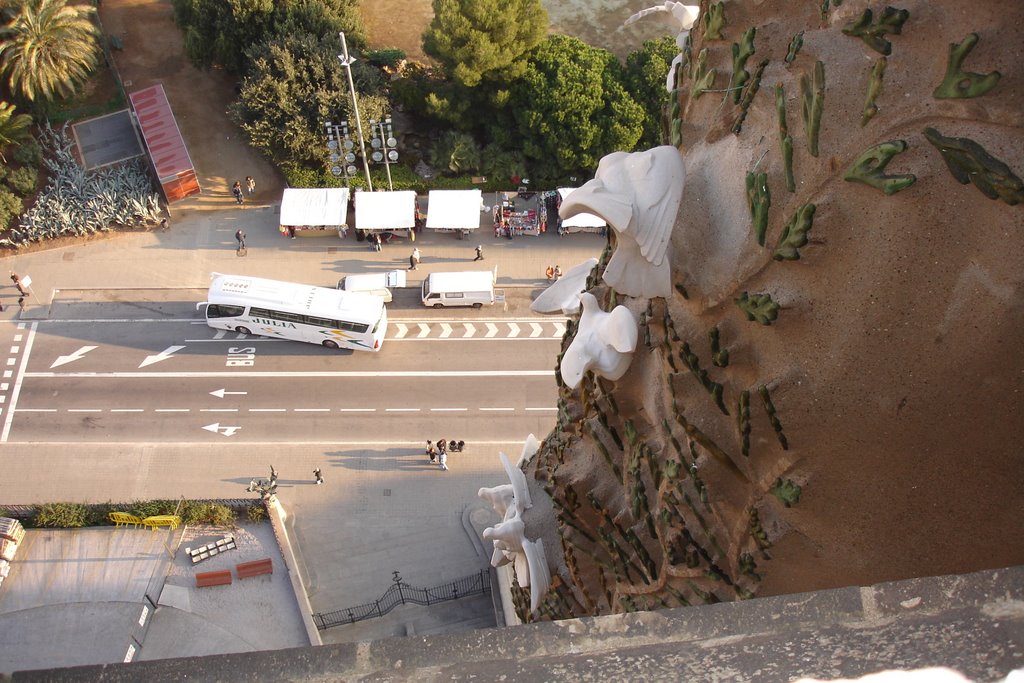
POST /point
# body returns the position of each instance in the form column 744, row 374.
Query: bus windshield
column 318, row 315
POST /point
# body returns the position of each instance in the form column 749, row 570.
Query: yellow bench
column 170, row 521
column 124, row 519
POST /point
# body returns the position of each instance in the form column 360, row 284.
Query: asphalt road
column 113, row 372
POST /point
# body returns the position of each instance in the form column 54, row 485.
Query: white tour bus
column 318, row 315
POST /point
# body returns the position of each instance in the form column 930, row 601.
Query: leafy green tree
column 477, row 40
column 455, row 153
column 48, row 49
column 219, row 32
column 499, row 162
column 14, row 128
column 645, row 74
column 296, row 85
column 570, row 109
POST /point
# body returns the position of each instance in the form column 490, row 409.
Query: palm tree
column 48, row 48
column 13, row 127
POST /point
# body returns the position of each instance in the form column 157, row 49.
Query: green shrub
column 214, row 514
column 24, row 180
column 3, row 171
column 388, row 57
column 28, row 153
column 256, row 513
column 152, row 508
column 61, row 515
column 11, row 207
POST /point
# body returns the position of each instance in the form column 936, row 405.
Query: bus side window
column 223, row 311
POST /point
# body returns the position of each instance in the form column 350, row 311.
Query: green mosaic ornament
column 759, row 200
column 874, row 90
column 812, row 101
column 785, row 139
column 713, row 21
column 869, row 168
column 963, row 84
column 891, row 21
column 758, row 307
column 741, row 52
column 970, row 163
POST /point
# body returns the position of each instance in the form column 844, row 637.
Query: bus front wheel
column 478, row 305
column 330, row 343
column 242, row 330
column 438, row 305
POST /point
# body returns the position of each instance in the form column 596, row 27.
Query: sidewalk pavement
column 369, row 518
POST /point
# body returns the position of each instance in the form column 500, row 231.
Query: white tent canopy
column 579, row 221
column 319, row 207
column 454, row 209
column 386, row 210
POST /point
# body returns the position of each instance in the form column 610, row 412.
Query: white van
column 466, row 288
column 374, row 283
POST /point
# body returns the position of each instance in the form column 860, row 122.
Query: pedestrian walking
column 414, row 259
column 250, row 184
column 17, row 283
column 317, row 476
column 236, row 190
column 558, row 272
column 442, row 447
column 479, row 253
column 21, row 303
column 442, row 461
column 431, row 452
column 240, row 237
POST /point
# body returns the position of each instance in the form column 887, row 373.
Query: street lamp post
column 384, row 144
column 346, row 61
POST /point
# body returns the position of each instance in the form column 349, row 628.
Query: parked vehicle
column 465, row 288
column 379, row 284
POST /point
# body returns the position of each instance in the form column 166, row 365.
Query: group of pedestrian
column 250, row 186
column 553, row 273
column 439, row 454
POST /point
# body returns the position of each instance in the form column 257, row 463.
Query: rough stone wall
column 840, row 402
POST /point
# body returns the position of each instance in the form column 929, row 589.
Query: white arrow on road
column 402, row 329
column 446, row 330
column 163, row 355
column 77, row 355
column 492, row 330
column 559, row 329
column 221, row 393
column 424, row 330
column 537, row 329
column 513, row 330
column 217, row 429
column 470, row 330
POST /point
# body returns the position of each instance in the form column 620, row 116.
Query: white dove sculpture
column 638, row 195
column 680, row 17
column 509, row 537
column 604, row 343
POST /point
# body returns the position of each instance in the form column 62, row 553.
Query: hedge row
column 78, row 515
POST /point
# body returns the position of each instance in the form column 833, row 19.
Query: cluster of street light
column 341, row 147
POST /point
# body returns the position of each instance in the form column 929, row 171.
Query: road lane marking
column 15, row 349
column 268, row 410
column 163, row 355
column 492, row 330
column 513, row 330
column 446, row 330
column 72, row 357
column 218, row 410
column 448, row 410
column 401, row 410
column 357, row 410
column 36, row 410
column 278, row 374
column 127, row 410
column 542, row 409
column 470, row 330
column 402, row 330
column 312, row 410
column 85, row 410
column 17, row 383
column 173, row 410
column 424, row 330
column 497, row 409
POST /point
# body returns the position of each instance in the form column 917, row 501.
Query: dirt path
column 153, row 53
